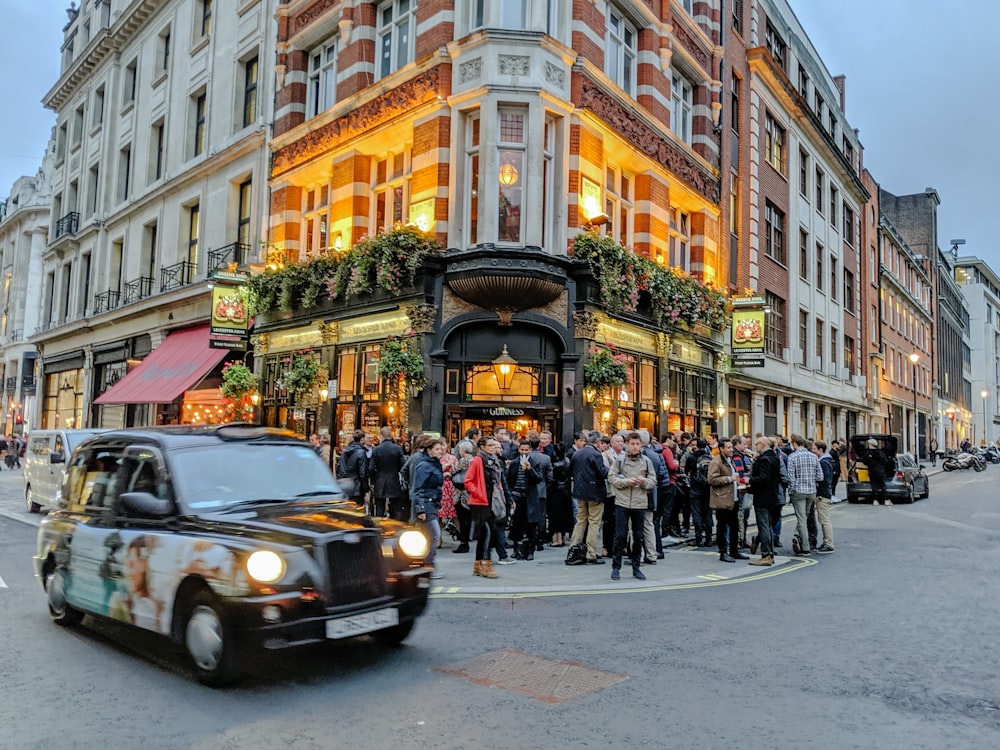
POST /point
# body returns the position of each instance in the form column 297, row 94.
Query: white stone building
column 160, row 176
column 24, row 227
column 981, row 291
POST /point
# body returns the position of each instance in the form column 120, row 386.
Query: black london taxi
column 225, row 539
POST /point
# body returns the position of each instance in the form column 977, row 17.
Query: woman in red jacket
column 482, row 517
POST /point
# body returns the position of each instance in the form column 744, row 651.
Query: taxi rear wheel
column 60, row 612
column 395, row 635
column 209, row 641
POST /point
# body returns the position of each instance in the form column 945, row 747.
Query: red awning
column 182, row 360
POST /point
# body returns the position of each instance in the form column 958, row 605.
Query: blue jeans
column 764, row 521
column 432, row 530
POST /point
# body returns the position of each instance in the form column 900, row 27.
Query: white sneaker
column 888, row 502
column 437, row 574
column 506, row 561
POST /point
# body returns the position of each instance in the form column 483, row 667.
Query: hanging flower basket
column 607, row 368
column 302, row 371
column 238, row 381
column 397, row 360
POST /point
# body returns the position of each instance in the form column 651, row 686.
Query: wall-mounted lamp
column 324, row 394
column 255, row 398
column 504, row 368
column 665, row 403
column 589, row 394
column 720, row 410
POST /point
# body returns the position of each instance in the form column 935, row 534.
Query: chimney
column 840, row 82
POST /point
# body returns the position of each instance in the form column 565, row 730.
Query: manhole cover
column 546, row 680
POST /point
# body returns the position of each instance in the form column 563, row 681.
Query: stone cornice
column 397, row 102
column 645, row 138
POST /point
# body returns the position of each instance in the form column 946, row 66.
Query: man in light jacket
column 631, row 476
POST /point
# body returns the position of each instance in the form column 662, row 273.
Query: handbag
column 498, row 504
column 458, row 479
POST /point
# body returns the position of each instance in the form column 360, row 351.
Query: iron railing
column 177, row 275
column 68, row 224
column 137, row 289
column 106, row 301
column 237, row 252
column 17, row 335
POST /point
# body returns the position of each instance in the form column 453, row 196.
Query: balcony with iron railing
column 237, row 252
column 67, row 225
column 177, row 275
column 106, row 301
column 137, row 289
column 17, row 335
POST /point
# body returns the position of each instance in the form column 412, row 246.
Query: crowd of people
column 616, row 497
column 603, row 497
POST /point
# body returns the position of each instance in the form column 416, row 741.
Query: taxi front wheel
column 209, row 641
column 60, row 612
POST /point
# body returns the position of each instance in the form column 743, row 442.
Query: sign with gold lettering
column 299, row 338
column 229, row 313
column 374, row 327
column 748, row 331
column 626, row 337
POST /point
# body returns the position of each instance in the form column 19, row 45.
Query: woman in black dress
column 560, row 502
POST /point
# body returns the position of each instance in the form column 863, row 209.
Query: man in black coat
column 765, row 476
column 383, row 471
column 590, row 475
column 353, row 466
column 696, row 468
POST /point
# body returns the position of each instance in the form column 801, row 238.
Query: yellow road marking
column 797, row 563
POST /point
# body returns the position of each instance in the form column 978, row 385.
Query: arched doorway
column 473, row 396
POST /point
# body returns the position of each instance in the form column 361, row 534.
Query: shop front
column 62, row 405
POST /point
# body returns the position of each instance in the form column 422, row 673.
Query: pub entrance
column 517, row 420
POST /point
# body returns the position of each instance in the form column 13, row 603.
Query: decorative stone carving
column 557, row 309
column 422, row 317
column 692, row 47
column 406, row 97
column 643, row 137
column 514, row 65
column 452, row 305
column 585, row 324
column 555, row 75
column 471, row 70
column 663, row 344
column 259, row 342
column 329, row 332
column 310, row 14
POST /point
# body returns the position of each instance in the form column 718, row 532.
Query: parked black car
column 224, row 539
column 905, row 480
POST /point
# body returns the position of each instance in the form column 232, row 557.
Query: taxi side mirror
column 143, row 505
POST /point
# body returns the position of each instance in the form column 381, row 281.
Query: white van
column 45, row 462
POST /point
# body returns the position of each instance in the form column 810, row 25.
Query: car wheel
column 209, row 641
column 30, row 505
column 927, row 490
column 60, row 612
column 395, row 635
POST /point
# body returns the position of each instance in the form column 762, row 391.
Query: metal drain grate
column 545, row 680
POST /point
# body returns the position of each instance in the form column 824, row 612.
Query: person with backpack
column 631, row 477
column 696, row 468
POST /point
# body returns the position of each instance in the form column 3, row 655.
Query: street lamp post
column 914, row 358
column 985, row 393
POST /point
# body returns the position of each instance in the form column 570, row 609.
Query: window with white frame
column 679, row 244
column 397, row 20
column 548, row 175
column 472, row 175
column 322, row 91
column 251, row 69
column 391, row 189
column 681, row 102
column 618, row 204
column 511, row 146
column 620, row 51
column 774, row 143
column 316, row 220
column 477, row 18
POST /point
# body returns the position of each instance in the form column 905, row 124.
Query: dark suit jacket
column 386, row 461
column 544, row 464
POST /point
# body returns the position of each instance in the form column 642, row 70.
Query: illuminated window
column 391, row 190
column 512, row 144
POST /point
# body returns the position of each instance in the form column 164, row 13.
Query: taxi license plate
column 345, row 627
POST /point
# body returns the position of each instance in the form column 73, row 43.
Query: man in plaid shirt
column 804, row 474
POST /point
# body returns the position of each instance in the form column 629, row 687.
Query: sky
column 920, row 89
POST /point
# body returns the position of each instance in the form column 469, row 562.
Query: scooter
column 990, row 454
column 963, row 461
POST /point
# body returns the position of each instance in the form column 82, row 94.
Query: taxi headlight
column 265, row 566
column 413, row 544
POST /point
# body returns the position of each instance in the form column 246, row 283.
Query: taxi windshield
column 221, row 476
